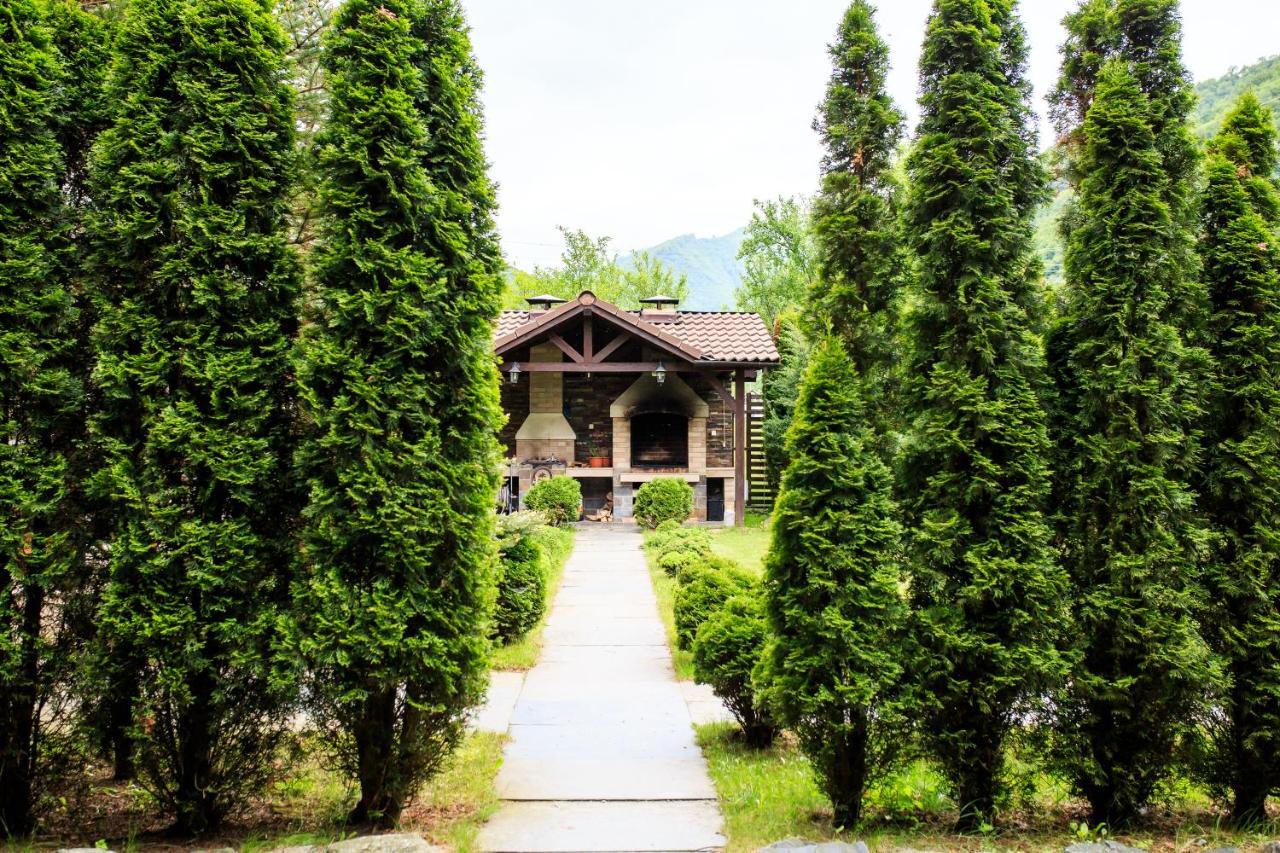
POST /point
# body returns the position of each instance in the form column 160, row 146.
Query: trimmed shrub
column 664, row 499
column 704, row 587
column 522, row 589
column 726, row 650
column 693, row 539
column 559, row 498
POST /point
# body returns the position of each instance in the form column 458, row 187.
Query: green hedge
column 703, row 588
column 559, row 498
column 726, row 651
column 522, row 589
column 661, row 500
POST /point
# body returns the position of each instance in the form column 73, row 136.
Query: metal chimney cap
column 660, row 300
column 546, row 300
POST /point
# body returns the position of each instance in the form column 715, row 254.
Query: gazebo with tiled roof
column 617, row 398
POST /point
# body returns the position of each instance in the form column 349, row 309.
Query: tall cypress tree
column 986, row 592
column 40, row 393
column 197, row 287
column 1146, row 34
column 1241, row 491
column 855, row 215
column 1129, row 538
column 831, row 585
column 401, row 393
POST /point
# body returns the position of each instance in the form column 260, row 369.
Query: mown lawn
column 746, row 545
column 769, row 795
column 305, row 806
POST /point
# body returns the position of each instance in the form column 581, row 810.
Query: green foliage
column 705, row 584
column 726, row 652
column 522, row 588
column 856, row 219
column 780, row 389
column 780, row 259
column 559, row 498
column 40, row 394
column 663, row 499
column 1126, row 404
column 196, row 289
column 1241, row 492
column 831, row 585
column 671, row 536
column 986, row 592
column 400, row 394
column 588, row 263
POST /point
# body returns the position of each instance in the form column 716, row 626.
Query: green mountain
column 710, row 263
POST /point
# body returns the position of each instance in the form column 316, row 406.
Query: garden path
column 601, row 753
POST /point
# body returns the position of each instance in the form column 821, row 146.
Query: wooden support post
column 588, row 339
column 739, row 448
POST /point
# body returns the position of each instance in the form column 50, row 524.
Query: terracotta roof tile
column 721, row 335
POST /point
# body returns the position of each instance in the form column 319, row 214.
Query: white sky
column 646, row 119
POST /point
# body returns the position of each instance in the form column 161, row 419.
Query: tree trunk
column 846, row 776
column 1249, row 801
column 976, row 784
column 120, row 718
column 198, row 811
column 19, row 743
column 380, row 803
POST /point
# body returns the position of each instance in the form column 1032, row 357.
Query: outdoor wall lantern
column 514, row 373
column 660, row 374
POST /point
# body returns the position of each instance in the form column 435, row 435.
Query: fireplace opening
column 659, row 440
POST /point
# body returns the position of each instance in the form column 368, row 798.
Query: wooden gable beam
column 564, row 346
column 611, row 347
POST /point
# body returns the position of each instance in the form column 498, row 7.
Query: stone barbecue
column 617, row 398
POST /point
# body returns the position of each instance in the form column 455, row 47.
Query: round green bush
column 559, row 498
column 726, row 650
column 695, row 539
column 664, row 499
column 676, row 561
column 522, row 589
column 704, row 586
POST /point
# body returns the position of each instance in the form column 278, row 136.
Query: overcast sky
column 645, row 119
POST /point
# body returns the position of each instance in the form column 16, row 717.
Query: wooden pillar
column 739, row 448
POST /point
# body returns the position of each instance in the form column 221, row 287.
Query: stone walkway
column 601, row 754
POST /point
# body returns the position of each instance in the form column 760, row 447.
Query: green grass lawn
column 746, row 545
column 768, row 795
column 523, row 654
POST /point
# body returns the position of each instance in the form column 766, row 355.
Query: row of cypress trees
column 1087, row 480
column 232, row 484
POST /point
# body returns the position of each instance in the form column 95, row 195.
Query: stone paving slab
column 604, row 827
column 704, row 705
column 599, row 779
column 500, row 703
column 601, row 753
column 554, row 742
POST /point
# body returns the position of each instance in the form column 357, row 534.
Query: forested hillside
column 710, row 263
column 1218, row 95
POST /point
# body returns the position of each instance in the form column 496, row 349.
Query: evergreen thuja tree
column 1240, row 495
column 401, row 396
column 197, row 287
column 1129, row 538
column 40, row 393
column 986, row 593
column 855, row 214
column 832, row 666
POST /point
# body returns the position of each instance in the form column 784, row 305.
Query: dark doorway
column 715, row 499
column 659, row 440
